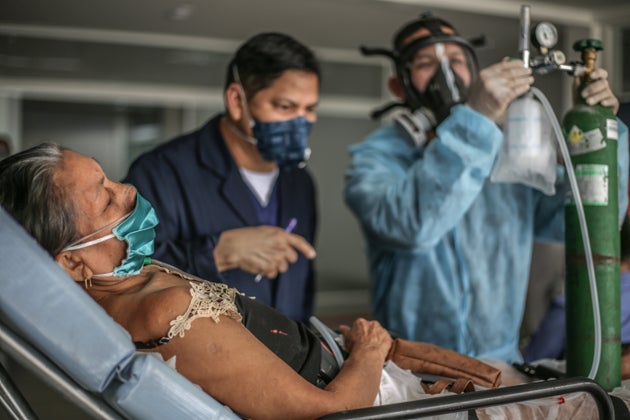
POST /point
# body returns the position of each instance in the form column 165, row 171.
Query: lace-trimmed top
column 208, row 300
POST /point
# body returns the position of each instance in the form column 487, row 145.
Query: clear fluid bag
column 528, row 152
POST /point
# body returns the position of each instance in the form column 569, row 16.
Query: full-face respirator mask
column 423, row 111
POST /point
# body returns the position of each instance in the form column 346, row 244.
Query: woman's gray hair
column 28, row 193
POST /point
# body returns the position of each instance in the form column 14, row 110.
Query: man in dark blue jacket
column 234, row 200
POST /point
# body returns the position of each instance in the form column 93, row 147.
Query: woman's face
column 98, row 202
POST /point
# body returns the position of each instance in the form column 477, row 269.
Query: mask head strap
column 403, row 53
column 425, row 21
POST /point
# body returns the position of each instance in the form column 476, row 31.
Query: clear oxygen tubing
column 327, row 336
column 583, row 228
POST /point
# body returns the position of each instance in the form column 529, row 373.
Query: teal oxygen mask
column 137, row 229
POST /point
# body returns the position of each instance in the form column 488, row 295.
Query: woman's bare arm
column 233, row 366
column 230, row 364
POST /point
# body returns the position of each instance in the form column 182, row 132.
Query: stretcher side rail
column 23, row 353
column 12, row 399
column 480, row 399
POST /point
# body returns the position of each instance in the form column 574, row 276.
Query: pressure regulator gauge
column 544, row 35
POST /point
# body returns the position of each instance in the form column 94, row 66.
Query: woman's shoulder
column 170, row 309
column 167, row 298
column 150, row 313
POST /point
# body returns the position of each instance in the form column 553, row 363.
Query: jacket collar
column 214, row 154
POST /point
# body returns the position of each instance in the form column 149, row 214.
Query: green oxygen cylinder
column 591, row 136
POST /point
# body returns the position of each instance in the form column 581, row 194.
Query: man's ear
column 395, row 87
column 74, row 266
column 234, row 96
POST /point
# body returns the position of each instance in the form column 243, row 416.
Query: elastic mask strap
column 110, row 274
column 243, row 96
column 434, row 25
column 89, row 243
column 78, row 243
column 147, row 261
column 447, row 71
column 237, row 130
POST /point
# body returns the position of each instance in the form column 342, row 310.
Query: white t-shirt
column 260, row 183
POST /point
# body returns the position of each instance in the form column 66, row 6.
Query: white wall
column 93, row 130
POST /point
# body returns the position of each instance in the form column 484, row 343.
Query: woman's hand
column 366, row 334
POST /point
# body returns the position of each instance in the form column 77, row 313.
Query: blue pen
column 292, row 224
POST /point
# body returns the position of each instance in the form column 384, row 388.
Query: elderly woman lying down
column 241, row 352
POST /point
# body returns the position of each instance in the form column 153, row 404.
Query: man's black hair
column 264, row 57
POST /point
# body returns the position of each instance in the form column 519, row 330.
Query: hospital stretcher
column 55, row 330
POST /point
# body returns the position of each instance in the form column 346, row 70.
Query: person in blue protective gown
column 235, row 201
column 449, row 251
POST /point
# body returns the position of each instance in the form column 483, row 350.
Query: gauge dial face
column 545, row 35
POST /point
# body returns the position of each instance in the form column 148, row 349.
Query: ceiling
column 319, row 23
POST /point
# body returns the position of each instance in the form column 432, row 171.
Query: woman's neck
column 100, row 288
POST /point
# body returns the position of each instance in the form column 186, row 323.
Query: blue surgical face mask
column 137, row 229
column 283, row 142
